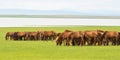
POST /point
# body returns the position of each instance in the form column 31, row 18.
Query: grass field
column 47, row 50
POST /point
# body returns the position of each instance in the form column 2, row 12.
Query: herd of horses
column 39, row 35
column 69, row 37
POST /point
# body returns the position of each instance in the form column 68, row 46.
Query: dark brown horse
column 119, row 39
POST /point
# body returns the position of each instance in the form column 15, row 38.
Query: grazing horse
column 21, row 35
column 9, row 35
column 110, row 36
column 99, row 36
column 65, row 36
column 93, row 36
column 77, row 38
column 40, row 35
column 27, row 35
column 49, row 35
column 119, row 39
column 33, row 35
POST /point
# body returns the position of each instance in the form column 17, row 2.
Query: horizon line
column 60, row 16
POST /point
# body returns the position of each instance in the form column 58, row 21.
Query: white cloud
column 61, row 4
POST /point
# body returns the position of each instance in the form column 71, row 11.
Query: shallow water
column 36, row 22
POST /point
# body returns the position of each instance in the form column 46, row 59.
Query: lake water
column 38, row 22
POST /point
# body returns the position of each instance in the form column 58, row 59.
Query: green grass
column 47, row 50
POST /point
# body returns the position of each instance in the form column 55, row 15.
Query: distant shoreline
column 59, row 16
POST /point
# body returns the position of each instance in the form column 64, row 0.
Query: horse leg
column 67, row 42
column 73, row 42
column 116, row 41
column 107, row 42
column 78, row 41
column 88, row 41
column 35, row 38
column 10, row 37
column 95, row 41
column 104, row 42
column 18, row 38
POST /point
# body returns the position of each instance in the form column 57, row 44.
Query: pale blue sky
column 107, row 7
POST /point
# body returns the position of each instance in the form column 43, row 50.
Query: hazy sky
column 75, row 5
column 61, row 4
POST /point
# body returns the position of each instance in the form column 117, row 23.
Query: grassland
column 47, row 50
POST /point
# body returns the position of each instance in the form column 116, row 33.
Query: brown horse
column 40, row 35
column 49, row 35
column 110, row 36
column 27, row 35
column 99, row 36
column 77, row 38
column 33, row 35
column 9, row 35
column 119, row 39
column 93, row 36
column 21, row 35
column 65, row 36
